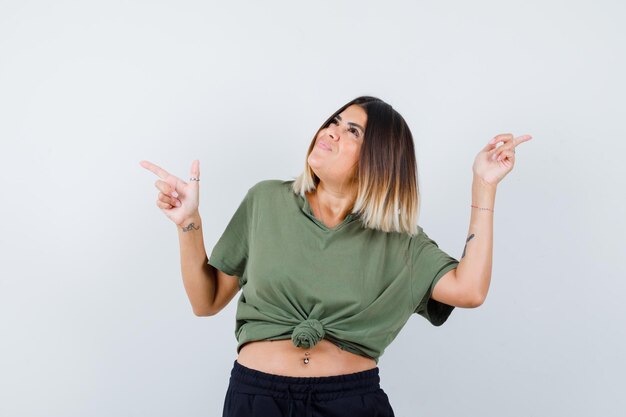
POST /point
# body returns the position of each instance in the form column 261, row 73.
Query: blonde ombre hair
column 387, row 185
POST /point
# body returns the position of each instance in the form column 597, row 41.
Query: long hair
column 387, row 184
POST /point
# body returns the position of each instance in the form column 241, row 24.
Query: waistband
column 322, row 388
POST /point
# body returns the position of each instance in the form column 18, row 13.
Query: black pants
column 253, row 393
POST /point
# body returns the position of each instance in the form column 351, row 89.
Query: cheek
column 356, row 149
column 353, row 154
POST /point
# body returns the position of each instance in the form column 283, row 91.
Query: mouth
column 324, row 145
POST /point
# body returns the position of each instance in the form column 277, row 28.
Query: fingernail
column 174, row 194
column 177, row 203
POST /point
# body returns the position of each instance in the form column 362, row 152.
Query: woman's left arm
column 468, row 284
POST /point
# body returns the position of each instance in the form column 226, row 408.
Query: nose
column 333, row 132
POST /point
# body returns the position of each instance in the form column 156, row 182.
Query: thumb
column 195, row 170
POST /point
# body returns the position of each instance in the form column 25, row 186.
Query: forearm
column 199, row 278
column 474, row 269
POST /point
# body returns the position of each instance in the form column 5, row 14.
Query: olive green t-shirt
column 300, row 280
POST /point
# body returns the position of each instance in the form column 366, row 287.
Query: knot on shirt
column 307, row 333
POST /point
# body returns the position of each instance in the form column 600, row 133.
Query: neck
column 335, row 202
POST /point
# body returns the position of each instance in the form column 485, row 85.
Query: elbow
column 474, row 293
column 203, row 312
column 477, row 300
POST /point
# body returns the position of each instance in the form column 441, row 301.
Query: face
column 335, row 157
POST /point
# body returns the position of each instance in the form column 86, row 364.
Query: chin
column 315, row 163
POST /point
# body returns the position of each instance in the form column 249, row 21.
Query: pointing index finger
column 521, row 139
column 155, row 168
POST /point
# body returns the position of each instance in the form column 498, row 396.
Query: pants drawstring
column 309, row 411
column 290, row 400
column 309, row 408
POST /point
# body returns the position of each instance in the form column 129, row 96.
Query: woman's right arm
column 199, row 278
column 208, row 288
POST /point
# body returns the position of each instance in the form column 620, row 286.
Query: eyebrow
column 352, row 124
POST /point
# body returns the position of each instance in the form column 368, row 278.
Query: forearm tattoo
column 190, row 227
column 468, row 239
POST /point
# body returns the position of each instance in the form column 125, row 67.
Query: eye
column 355, row 131
column 352, row 130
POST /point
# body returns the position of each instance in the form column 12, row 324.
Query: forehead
column 354, row 113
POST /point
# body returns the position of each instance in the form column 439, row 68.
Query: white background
column 94, row 319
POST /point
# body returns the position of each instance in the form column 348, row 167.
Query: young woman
column 332, row 264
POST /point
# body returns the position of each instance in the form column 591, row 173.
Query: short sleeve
column 430, row 263
column 230, row 253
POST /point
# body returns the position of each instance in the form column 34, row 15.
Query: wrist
column 483, row 195
column 479, row 183
column 192, row 221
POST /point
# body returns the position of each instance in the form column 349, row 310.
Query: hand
column 177, row 199
column 493, row 163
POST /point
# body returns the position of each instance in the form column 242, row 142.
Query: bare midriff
column 282, row 357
